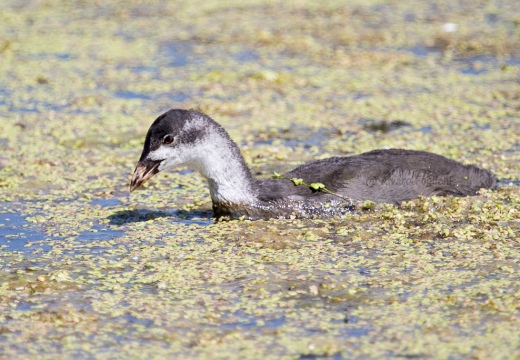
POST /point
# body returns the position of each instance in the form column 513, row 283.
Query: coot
column 188, row 137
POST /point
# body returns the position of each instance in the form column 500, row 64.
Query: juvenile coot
column 187, row 137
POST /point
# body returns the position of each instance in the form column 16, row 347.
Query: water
column 19, row 235
column 384, row 126
column 131, row 95
column 178, row 54
column 298, row 136
column 246, row 56
column 137, row 282
column 16, row 234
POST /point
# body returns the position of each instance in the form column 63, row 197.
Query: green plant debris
column 316, row 186
column 88, row 271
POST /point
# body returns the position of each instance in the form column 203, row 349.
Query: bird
column 323, row 188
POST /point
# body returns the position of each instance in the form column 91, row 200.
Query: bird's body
column 186, row 137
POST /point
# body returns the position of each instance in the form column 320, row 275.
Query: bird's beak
column 144, row 170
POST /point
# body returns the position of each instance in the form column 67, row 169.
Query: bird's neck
column 222, row 164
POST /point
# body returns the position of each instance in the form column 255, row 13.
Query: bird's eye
column 168, row 139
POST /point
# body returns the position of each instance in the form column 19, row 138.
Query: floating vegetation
column 88, row 271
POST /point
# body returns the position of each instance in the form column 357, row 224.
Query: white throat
column 228, row 180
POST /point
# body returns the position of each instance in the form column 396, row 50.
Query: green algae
column 151, row 275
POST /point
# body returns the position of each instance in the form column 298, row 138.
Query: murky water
column 87, row 270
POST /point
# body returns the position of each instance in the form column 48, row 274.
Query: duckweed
column 86, row 270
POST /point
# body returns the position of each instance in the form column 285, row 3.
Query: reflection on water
column 17, row 234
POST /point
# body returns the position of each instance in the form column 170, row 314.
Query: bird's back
column 392, row 176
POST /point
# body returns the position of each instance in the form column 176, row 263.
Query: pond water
column 18, row 235
column 88, row 270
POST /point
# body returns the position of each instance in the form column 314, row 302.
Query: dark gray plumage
column 391, row 176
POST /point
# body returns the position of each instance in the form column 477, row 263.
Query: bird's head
column 172, row 140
